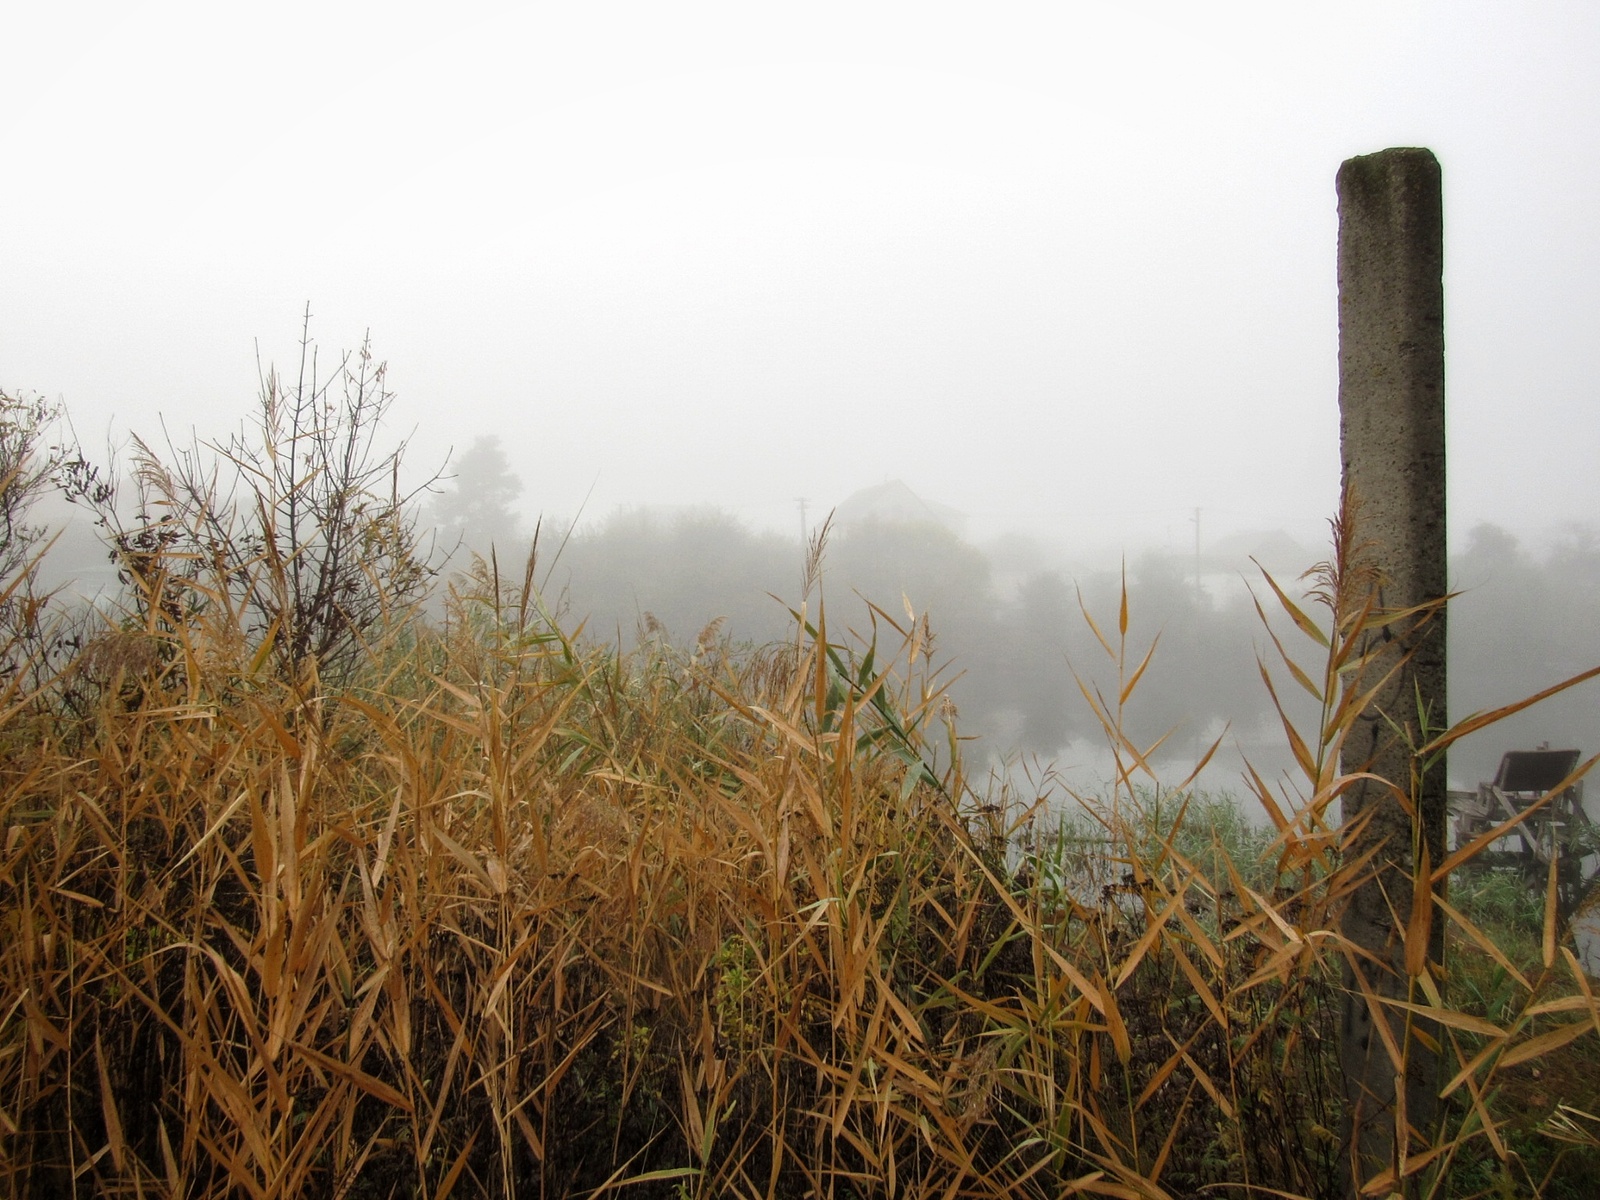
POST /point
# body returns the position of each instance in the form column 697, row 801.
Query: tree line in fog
column 1008, row 616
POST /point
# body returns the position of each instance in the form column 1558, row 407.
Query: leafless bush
column 297, row 523
column 27, row 470
column 32, row 463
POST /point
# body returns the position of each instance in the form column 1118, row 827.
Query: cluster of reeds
column 509, row 914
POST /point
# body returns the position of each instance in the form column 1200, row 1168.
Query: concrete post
column 1391, row 405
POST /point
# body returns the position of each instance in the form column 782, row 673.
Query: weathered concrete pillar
column 1391, row 404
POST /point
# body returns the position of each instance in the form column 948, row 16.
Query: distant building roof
column 894, row 502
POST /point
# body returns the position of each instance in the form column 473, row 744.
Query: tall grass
column 513, row 914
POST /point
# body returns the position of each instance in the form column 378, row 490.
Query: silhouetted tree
column 928, row 566
column 1204, row 671
column 1043, row 619
column 476, row 513
column 683, row 571
column 1518, row 625
column 296, row 522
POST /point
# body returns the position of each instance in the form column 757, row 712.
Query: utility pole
column 1391, row 426
column 1197, row 557
column 805, row 529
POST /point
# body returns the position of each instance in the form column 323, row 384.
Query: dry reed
column 511, row 915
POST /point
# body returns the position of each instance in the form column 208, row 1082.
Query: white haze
column 1067, row 268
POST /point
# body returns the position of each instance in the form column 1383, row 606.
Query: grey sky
column 1066, row 267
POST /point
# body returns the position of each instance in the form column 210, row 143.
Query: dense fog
column 1011, row 639
column 1012, row 295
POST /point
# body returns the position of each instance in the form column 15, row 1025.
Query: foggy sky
column 1068, row 268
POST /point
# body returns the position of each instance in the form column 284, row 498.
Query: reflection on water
column 1586, row 925
column 1586, row 941
column 1086, row 770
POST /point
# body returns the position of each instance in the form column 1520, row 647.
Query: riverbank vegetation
column 479, row 906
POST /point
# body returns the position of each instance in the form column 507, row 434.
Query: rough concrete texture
column 1391, row 403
